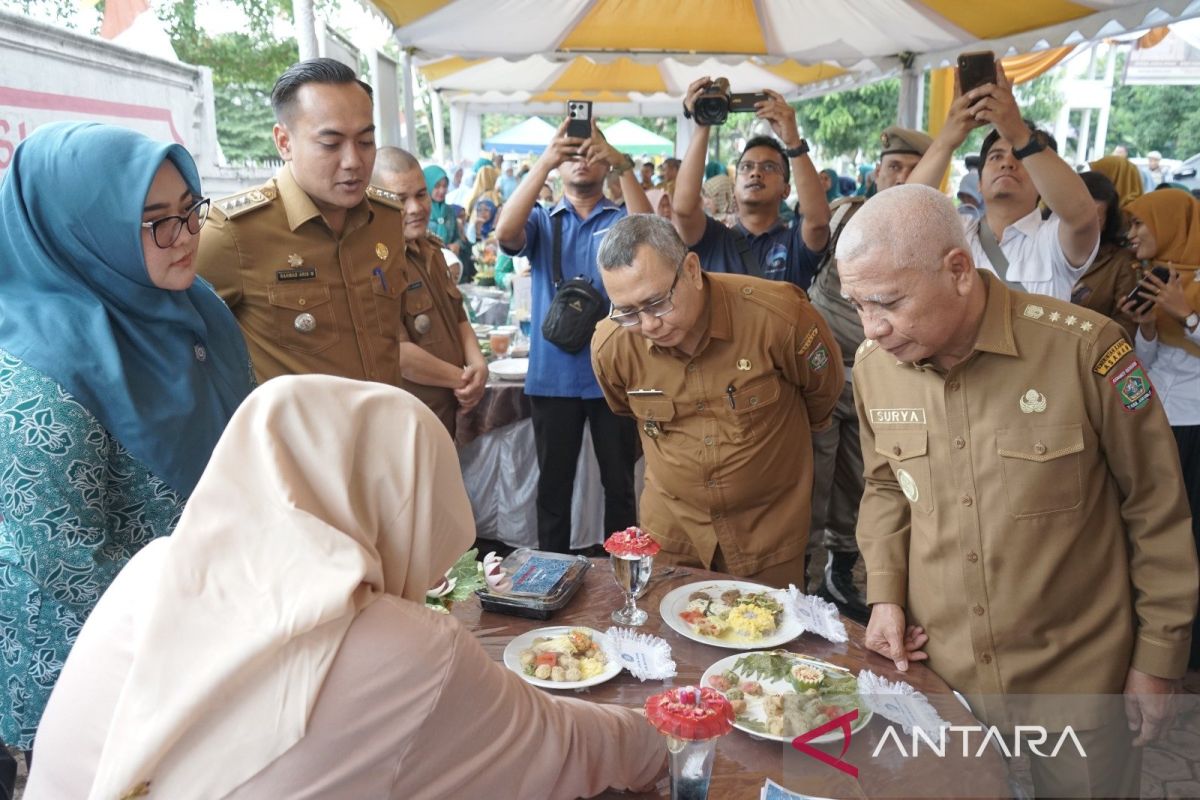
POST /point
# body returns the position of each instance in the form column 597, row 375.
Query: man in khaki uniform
column 1020, row 505
column 436, row 340
column 837, row 454
column 312, row 263
column 727, row 375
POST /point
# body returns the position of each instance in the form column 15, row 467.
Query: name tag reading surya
column 898, row 416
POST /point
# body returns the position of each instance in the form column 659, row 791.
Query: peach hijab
column 322, row 495
column 1174, row 216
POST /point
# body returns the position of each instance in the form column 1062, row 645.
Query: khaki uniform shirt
column 727, row 432
column 1107, row 282
column 433, row 309
column 1026, row 506
column 308, row 300
column 826, row 289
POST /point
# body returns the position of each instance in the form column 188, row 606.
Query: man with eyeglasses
column 312, row 262
column 562, row 389
column 727, row 377
column 761, row 243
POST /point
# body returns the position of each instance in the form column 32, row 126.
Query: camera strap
column 556, row 264
column 748, row 261
column 991, row 249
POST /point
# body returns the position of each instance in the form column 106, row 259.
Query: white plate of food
column 510, row 369
column 739, row 615
column 779, row 695
column 577, row 653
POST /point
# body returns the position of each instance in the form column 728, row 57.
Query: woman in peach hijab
column 277, row 645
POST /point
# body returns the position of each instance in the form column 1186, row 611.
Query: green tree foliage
column 1163, row 118
column 847, row 123
column 244, row 64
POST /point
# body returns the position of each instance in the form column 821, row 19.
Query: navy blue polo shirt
column 554, row 372
column 780, row 252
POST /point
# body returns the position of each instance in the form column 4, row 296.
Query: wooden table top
column 743, row 763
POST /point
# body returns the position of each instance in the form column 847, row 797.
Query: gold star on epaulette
column 1071, row 320
column 1086, row 326
column 1054, row 316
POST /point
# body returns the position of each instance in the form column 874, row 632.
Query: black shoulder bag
column 576, row 308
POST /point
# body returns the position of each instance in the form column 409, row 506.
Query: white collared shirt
column 1175, row 373
column 1035, row 257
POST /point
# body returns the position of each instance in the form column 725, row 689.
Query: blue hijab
column 491, row 223
column 79, row 306
column 441, row 217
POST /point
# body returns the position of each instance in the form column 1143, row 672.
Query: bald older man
column 1019, row 508
column 440, row 360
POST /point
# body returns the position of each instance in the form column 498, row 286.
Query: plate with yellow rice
column 738, row 615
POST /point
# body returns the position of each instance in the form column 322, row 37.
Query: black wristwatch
column 797, row 151
column 1038, row 141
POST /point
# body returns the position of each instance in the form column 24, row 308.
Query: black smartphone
column 976, row 69
column 579, row 118
column 1140, row 295
column 744, row 101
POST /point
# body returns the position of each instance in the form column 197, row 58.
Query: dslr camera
column 716, row 103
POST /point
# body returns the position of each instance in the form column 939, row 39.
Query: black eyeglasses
column 659, row 308
column 166, row 230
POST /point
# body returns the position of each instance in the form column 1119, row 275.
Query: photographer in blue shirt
column 761, row 243
column 561, row 386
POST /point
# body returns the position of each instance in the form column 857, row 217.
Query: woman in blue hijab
column 442, row 221
column 118, row 373
column 829, row 179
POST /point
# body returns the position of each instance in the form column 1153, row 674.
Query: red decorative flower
column 631, row 543
column 690, row 713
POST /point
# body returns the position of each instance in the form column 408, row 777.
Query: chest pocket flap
column 758, row 393
column 304, row 297
column 901, row 445
column 1040, row 444
column 659, row 409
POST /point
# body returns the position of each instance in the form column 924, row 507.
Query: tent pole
column 439, row 132
column 306, row 28
column 410, row 113
column 909, row 111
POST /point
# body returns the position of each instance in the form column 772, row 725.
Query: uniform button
column 717, row 515
column 959, row 442
column 200, row 352
column 986, row 658
column 708, row 440
column 1040, row 449
column 978, row 611
column 972, row 557
column 896, row 450
column 691, row 366
column 952, row 386
column 753, row 401
column 710, row 483
column 747, row 290
column 966, row 500
column 302, row 302
column 699, row 406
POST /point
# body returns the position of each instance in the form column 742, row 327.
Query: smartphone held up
column 976, row 69
column 579, row 118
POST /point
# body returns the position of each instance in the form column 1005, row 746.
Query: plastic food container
column 542, row 583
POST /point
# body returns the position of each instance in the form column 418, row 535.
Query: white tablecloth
column 500, row 472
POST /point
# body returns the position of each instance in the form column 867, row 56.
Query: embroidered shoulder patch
column 1133, row 386
column 1112, row 356
column 819, row 358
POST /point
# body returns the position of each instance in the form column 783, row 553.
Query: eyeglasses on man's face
column 659, row 308
column 166, row 230
column 770, row 167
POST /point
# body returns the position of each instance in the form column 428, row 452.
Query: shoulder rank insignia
column 385, row 197
column 237, row 204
